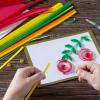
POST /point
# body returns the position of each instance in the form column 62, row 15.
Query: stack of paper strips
column 36, row 27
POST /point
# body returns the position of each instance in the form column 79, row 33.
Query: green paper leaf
column 74, row 50
column 85, row 38
column 77, row 42
column 71, row 47
column 66, row 52
column 67, row 57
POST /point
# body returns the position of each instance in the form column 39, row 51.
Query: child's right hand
column 22, row 82
column 90, row 72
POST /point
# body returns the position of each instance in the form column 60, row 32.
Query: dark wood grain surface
column 69, row 90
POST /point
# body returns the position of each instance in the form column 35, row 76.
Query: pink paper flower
column 85, row 54
column 64, row 66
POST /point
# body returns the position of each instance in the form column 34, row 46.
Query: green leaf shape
column 77, row 42
column 66, row 52
column 85, row 38
column 71, row 47
column 66, row 56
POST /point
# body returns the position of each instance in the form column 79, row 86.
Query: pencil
column 39, row 32
column 1, row 67
column 35, row 85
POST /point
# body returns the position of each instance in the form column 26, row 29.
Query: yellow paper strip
column 35, row 85
column 1, row 67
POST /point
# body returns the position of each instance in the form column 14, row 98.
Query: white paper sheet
column 7, row 30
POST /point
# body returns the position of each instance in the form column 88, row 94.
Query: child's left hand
column 23, row 81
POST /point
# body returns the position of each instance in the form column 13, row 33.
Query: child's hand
column 90, row 72
column 23, row 81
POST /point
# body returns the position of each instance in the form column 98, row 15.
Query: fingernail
column 42, row 75
column 76, row 69
column 78, row 72
column 79, row 79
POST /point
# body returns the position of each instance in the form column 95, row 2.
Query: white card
column 51, row 52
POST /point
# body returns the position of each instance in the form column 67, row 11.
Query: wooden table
column 69, row 90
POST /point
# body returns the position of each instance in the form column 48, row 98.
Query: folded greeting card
column 65, row 54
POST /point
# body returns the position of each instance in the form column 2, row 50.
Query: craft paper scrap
column 5, row 31
column 8, row 29
column 64, row 54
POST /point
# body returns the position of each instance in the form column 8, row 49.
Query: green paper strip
column 67, row 7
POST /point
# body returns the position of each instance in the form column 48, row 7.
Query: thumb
column 36, row 78
column 84, row 75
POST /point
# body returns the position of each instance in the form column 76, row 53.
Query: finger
column 84, row 75
column 76, row 69
column 80, row 79
column 88, row 66
column 36, row 78
column 30, row 70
